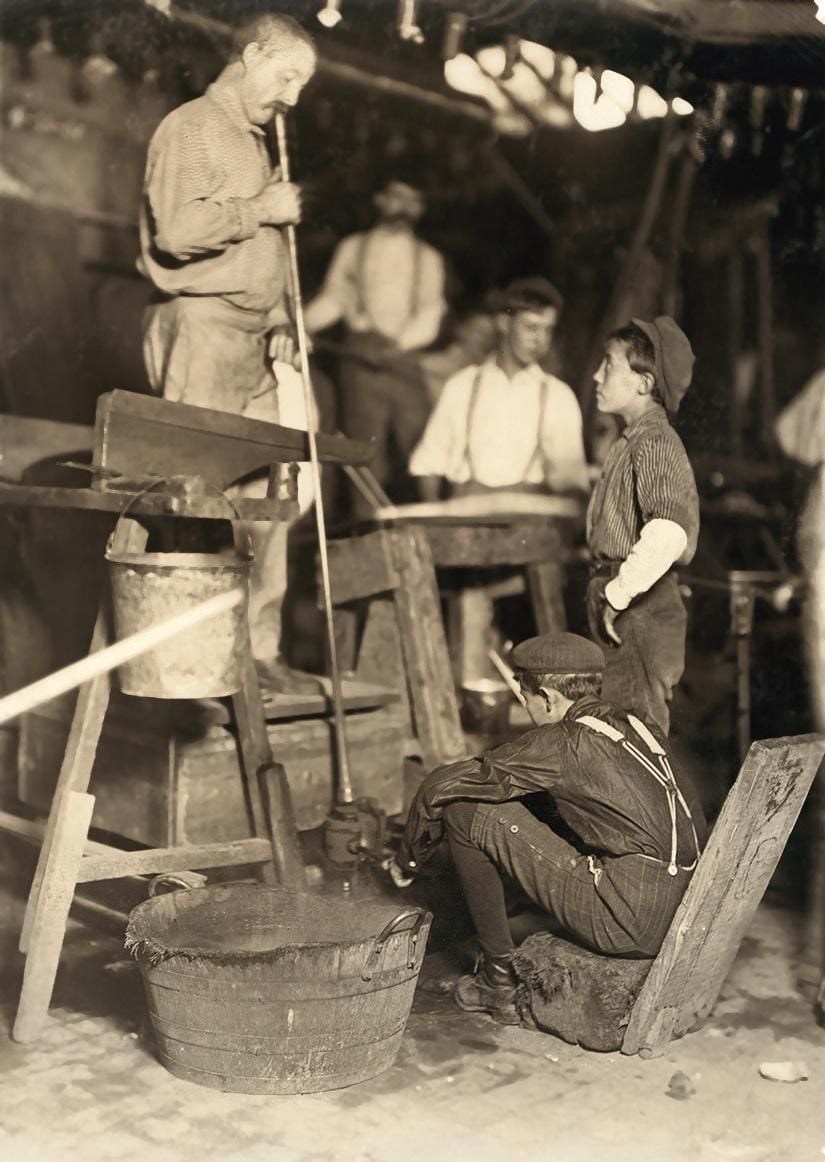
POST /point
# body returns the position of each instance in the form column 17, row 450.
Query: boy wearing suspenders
column 633, row 824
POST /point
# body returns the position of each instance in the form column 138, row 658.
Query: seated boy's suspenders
column 663, row 774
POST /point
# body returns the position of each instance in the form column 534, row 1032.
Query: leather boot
column 490, row 989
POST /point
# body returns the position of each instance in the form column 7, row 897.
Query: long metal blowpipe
column 345, row 794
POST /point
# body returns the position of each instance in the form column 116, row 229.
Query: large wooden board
column 143, row 435
column 733, row 873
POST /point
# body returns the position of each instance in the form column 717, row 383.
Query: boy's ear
column 648, row 381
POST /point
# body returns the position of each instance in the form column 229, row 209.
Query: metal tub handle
column 419, row 917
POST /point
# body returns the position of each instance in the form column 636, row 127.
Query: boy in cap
column 503, row 425
column 635, row 824
column 643, row 518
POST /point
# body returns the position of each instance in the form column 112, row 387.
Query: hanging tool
column 352, row 827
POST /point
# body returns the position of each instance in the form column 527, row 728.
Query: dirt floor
column 461, row 1088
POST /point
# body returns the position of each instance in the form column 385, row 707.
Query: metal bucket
column 263, row 990
column 202, row 662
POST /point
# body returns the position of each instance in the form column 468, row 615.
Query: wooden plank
column 79, row 756
column 477, row 546
column 361, row 567
column 145, row 435
column 545, row 582
column 116, row 864
column 52, row 913
column 146, row 504
column 733, row 873
column 424, row 646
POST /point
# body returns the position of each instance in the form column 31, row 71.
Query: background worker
column 503, row 425
column 643, row 518
column 387, row 285
column 637, row 824
column 211, row 244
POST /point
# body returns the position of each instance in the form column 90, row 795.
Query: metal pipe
column 345, row 793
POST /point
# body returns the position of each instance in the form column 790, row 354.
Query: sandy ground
column 461, row 1088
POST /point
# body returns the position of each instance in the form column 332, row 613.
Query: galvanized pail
column 201, row 662
column 262, row 990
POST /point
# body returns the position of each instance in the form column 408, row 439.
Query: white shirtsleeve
column 563, row 441
column 660, row 545
column 336, row 295
column 445, row 434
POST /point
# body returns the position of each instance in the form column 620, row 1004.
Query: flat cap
column 674, row 358
column 527, row 294
column 558, row 653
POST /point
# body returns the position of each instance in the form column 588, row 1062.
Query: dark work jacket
column 608, row 799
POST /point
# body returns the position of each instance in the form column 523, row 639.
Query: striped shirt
column 647, row 476
column 199, row 232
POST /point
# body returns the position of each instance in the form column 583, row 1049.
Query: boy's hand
column 397, row 874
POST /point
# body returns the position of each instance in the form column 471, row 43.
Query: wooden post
column 676, row 233
column 733, row 873
column 764, row 282
column 273, row 812
column 51, row 914
column 736, row 330
column 427, row 658
column 78, row 761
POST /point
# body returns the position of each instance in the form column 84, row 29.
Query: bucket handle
column 248, row 553
column 186, row 881
column 388, row 930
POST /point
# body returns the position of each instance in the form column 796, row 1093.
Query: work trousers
column 642, row 673
column 206, row 352
column 619, row 906
column 387, row 404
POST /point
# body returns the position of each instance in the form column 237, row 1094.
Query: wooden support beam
column 733, row 873
column 361, row 567
column 427, row 660
column 116, row 864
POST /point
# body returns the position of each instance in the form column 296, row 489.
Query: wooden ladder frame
column 62, row 864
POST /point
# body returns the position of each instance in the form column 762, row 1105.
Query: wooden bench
column 640, row 1006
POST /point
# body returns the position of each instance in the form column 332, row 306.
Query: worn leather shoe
column 277, row 677
column 490, row 989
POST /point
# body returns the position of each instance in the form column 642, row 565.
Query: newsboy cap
column 558, row 653
column 674, row 358
column 527, row 294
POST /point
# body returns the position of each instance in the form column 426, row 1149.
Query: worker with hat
column 643, row 519
column 503, row 425
column 632, row 825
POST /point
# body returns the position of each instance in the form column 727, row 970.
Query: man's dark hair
column 271, row 30
column 530, row 294
column 641, row 354
column 572, row 686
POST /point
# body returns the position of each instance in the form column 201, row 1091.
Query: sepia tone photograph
column 412, row 580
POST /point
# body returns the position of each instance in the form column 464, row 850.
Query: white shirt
column 387, row 281
column 503, row 432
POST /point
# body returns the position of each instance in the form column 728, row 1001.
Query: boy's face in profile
column 529, row 333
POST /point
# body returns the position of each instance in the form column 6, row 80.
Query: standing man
column 387, row 285
column 211, row 243
column 643, row 518
column 635, row 827
column 503, row 425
